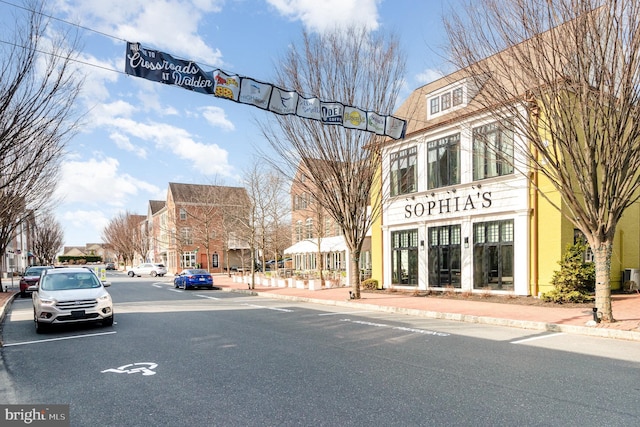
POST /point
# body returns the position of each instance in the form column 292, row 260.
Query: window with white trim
column 404, row 171
column 492, row 151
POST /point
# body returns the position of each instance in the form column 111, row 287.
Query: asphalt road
column 214, row 358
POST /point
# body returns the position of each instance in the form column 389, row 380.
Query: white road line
column 58, row 339
column 176, row 290
column 536, row 338
column 156, row 286
column 270, row 308
column 206, row 296
column 348, row 312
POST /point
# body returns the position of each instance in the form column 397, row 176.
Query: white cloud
column 428, row 75
column 83, row 226
column 320, row 16
column 124, row 143
column 163, row 24
column 206, row 158
column 216, row 117
column 98, row 182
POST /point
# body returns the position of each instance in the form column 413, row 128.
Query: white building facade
column 457, row 212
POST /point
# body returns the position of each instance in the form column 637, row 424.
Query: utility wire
column 78, row 26
column 63, row 21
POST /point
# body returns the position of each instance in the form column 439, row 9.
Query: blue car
column 193, row 278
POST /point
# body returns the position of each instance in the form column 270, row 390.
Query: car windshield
column 66, row 281
column 198, row 271
column 34, row 271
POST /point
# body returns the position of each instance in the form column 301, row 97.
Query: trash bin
column 631, row 275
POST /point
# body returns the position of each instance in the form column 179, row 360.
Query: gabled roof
column 201, row 194
column 156, row 205
column 485, row 73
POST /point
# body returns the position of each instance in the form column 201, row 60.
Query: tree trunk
column 355, row 275
column 602, row 255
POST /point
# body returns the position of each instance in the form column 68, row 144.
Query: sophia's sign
column 448, row 205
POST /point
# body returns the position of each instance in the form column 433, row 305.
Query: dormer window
column 435, row 105
column 446, row 101
column 457, row 96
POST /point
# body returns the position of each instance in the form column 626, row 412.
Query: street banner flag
column 255, row 93
column 309, row 108
column 354, row 118
column 331, row 113
column 283, row 102
column 375, row 123
column 227, row 85
column 163, row 68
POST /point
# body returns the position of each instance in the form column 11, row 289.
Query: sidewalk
column 626, row 309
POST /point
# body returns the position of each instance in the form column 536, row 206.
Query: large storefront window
column 492, row 151
column 443, row 160
column 493, row 255
column 404, row 257
column 404, row 173
column 188, row 260
column 444, row 256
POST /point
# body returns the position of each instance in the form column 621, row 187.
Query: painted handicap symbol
column 133, row 368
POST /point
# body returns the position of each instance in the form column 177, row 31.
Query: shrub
column 369, row 284
column 575, row 281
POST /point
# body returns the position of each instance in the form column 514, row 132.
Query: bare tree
column 358, row 68
column 250, row 221
column 47, row 239
column 37, row 91
column 565, row 74
column 267, row 194
column 123, row 234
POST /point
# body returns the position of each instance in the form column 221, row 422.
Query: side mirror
column 106, row 284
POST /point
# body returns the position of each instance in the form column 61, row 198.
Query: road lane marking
column 536, row 338
column 157, row 286
column 58, row 339
column 206, row 296
column 176, row 290
column 270, row 308
column 398, row 328
column 342, row 312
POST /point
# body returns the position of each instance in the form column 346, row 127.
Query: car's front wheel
column 154, row 274
column 131, row 274
column 108, row 321
column 40, row 327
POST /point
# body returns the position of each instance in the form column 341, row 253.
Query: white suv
column 70, row 295
column 148, row 268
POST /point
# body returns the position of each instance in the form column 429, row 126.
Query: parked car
column 193, row 278
column 148, row 268
column 271, row 265
column 31, row 277
column 110, row 266
column 70, row 295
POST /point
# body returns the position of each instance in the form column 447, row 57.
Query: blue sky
column 139, row 135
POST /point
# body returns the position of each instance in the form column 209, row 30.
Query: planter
column 281, row 283
column 315, row 285
column 300, row 284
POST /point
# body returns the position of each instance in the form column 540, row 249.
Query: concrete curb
column 468, row 318
column 3, row 309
